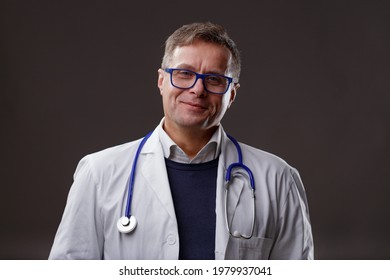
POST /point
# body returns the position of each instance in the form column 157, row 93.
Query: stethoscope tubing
column 128, row 222
column 132, row 175
column 239, row 164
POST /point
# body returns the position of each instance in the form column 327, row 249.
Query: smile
column 195, row 106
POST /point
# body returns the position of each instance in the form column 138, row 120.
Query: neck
column 190, row 140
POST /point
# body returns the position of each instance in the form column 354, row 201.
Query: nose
column 198, row 88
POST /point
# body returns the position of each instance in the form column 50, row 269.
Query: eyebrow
column 189, row 67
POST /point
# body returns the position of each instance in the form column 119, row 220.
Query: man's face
column 195, row 108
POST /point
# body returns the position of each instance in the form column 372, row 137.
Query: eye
column 216, row 80
column 184, row 74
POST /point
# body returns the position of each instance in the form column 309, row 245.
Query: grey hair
column 207, row 32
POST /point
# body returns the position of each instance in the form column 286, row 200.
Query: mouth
column 194, row 105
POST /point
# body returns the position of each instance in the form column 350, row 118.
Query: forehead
column 202, row 56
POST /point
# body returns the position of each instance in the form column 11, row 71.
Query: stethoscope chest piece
column 126, row 225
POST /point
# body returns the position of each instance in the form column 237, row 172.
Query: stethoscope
column 127, row 223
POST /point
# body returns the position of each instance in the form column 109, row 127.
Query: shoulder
column 264, row 159
column 264, row 163
column 113, row 153
column 271, row 169
column 110, row 160
column 273, row 173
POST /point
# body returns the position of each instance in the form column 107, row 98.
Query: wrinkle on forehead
column 203, row 57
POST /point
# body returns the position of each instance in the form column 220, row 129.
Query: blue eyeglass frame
column 199, row 76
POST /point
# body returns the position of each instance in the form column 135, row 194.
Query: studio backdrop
column 81, row 76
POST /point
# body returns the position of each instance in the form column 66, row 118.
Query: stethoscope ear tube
column 228, row 176
column 243, row 166
column 236, row 233
column 239, row 164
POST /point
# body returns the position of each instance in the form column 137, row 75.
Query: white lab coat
column 98, row 196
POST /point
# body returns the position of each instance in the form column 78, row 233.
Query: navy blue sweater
column 193, row 188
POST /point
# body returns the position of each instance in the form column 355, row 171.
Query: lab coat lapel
column 227, row 157
column 155, row 174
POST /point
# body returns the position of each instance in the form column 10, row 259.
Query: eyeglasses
column 185, row 79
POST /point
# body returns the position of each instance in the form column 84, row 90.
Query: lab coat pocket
column 255, row 248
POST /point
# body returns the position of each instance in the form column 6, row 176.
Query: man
column 177, row 188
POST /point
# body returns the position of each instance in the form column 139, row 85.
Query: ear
column 160, row 80
column 233, row 93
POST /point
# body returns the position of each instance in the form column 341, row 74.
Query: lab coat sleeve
column 294, row 238
column 80, row 234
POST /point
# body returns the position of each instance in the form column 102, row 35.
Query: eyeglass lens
column 186, row 79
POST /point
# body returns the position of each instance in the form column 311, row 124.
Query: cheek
column 225, row 100
column 169, row 96
column 219, row 104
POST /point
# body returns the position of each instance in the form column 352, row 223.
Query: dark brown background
column 80, row 76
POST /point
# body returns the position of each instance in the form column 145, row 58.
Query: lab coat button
column 171, row 239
